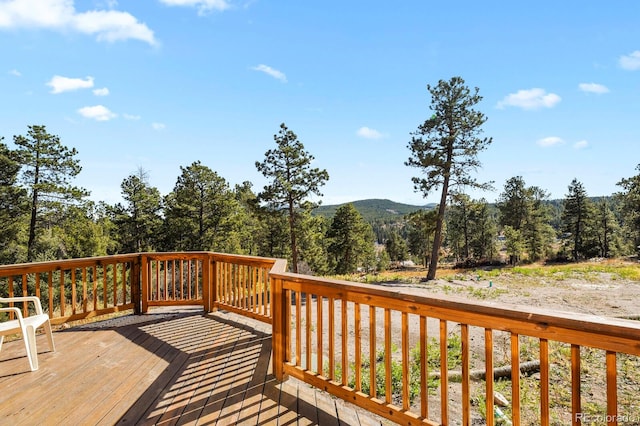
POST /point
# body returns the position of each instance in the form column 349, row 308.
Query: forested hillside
column 374, row 209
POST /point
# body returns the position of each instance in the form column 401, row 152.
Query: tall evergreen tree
column 48, row 167
column 13, row 206
column 576, row 217
column 421, row 226
column 607, row 230
column 199, row 211
column 396, row 247
column 524, row 210
column 292, row 181
column 138, row 221
column 350, row 240
column 446, row 147
column 630, row 208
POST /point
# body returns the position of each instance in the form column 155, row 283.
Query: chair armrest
column 15, row 310
column 34, row 299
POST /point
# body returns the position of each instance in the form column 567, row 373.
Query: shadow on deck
column 171, row 366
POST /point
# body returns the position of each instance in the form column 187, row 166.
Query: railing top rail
column 64, row 264
column 502, row 316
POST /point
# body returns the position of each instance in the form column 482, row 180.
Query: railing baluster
column 372, row 352
column 515, row 379
column 95, row 288
column 612, row 388
column 424, row 371
column 298, row 297
column 444, row 373
column 50, row 287
column 466, row 384
column 387, row 355
column 84, row 290
column 319, row 333
column 488, row 368
column 544, row 382
column 105, row 299
column 344, row 317
column 576, row 403
column 358, row 347
column 405, row 362
column 332, row 351
column 308, row 298
column 73, row 291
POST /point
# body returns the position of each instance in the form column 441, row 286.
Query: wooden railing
column 77, row 288
column 382, row 350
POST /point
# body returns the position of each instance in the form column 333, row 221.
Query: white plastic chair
column 26, row 326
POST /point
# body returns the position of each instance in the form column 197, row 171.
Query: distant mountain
column 373, row 209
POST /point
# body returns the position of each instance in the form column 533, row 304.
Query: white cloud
column 131, row 117
column 367, row 133
column 581, row 144
column 593, row 88
column 550, row 141
column 101, row 92
column 15, row 73
column 158, row 126
column 631, row 61
column 530, row 99
column 61, row 15
column 271, row 71
column 203, row 6
column 97, row 112
column 61, row 84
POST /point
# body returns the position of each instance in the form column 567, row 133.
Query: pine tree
column 199, row 212
column 292, row 181
column 351, row 241
column 630, row 208
column 13, row 206
column 576, row 216
column 138, row 221
column 48, row 167
column 446, row 147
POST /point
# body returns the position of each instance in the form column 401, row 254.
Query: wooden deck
column 171, row 366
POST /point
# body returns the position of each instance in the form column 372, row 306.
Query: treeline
column 44, row 217
column 525, row 226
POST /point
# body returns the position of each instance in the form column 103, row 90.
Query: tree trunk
column 503, row 372
column 292, row 231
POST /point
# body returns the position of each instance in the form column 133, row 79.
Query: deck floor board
column 169, row 367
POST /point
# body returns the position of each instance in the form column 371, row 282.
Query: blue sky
column 159, row 84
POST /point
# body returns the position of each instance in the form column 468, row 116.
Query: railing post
column 144, row 283
column 135, row 287
column 278, row 336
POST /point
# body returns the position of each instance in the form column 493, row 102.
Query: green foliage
column 471, row 229
column 374, row 210
column 350, row 241
column 13, row 206
column 47, row 169
column 446, row 146
column 292, row 181
column 577, row 218
column 200, row 212
column 524, row 210
column 630, row 208
column 137, row 222
column 396, row 247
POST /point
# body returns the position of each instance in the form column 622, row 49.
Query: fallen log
column 503, row 372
